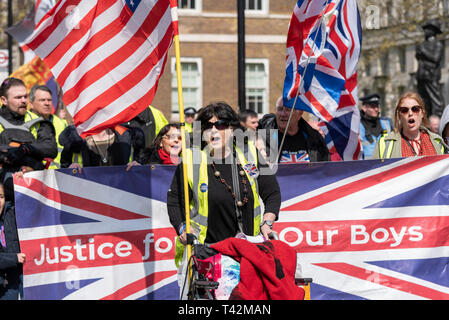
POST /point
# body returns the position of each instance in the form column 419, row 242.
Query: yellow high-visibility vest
column 199, row 208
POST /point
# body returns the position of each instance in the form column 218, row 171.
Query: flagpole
column 10, row 53
column 300, row 83
column 182, row 121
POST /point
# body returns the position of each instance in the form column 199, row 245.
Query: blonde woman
column 410, row 136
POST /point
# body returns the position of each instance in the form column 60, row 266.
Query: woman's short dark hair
column 222, row 111
column 165, row 129
column 8, row 83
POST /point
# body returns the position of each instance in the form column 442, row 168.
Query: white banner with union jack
column 363, row 230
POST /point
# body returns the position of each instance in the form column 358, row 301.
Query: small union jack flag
column 294, row 157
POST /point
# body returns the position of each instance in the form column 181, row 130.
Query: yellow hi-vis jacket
column 59, row 125
column 197, row 178
column 389, row 145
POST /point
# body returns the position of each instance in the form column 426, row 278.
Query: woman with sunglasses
column 410, row 136
column 225, row 183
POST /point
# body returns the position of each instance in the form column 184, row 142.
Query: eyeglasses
column 405, row 110
column 219, row 125
column 173, row 137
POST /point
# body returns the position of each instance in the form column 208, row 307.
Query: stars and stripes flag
column 107, row 55
column 323, row 49
column 22, row 30
column 103, row 234
column 367, row 229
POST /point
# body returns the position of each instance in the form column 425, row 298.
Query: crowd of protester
column 33, row 138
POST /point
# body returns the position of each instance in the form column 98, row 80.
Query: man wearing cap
column 372, row 126
column 189, row 117
column 429, row 55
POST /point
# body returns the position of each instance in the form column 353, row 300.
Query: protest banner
column 368, row 229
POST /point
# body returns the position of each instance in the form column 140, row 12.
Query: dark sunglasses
column 405, row 110
column 219, row 125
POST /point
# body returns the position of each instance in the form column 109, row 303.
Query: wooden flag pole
column 183, row 129
column 183, row 143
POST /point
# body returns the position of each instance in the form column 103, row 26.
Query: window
column 189, row 5
column 256, row 6
column 256, row 81
column 191, row 72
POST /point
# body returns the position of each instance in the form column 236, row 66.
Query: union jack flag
column 369, row 229
column 323, row 48
column 107, row 56
column 102, row 234
column 294, row 157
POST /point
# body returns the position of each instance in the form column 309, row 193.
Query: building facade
column 209, row 55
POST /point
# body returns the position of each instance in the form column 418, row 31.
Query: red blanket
column 267, row 270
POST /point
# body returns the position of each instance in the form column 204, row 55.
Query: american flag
column 369, row 229
column 107, row 56
column 103, row 234
column 22, row 30
column 323, row 46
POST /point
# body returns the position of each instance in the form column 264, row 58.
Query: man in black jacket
column 302, row 143
column 25, row 138
column 11, row 259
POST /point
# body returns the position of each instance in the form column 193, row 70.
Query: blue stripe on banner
column 319, row 292
column 56, row 291
column 430, row 194
column 137, row 180
column 333, row 171
column 167, row 292
column 34, row 213
column 432, row 270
